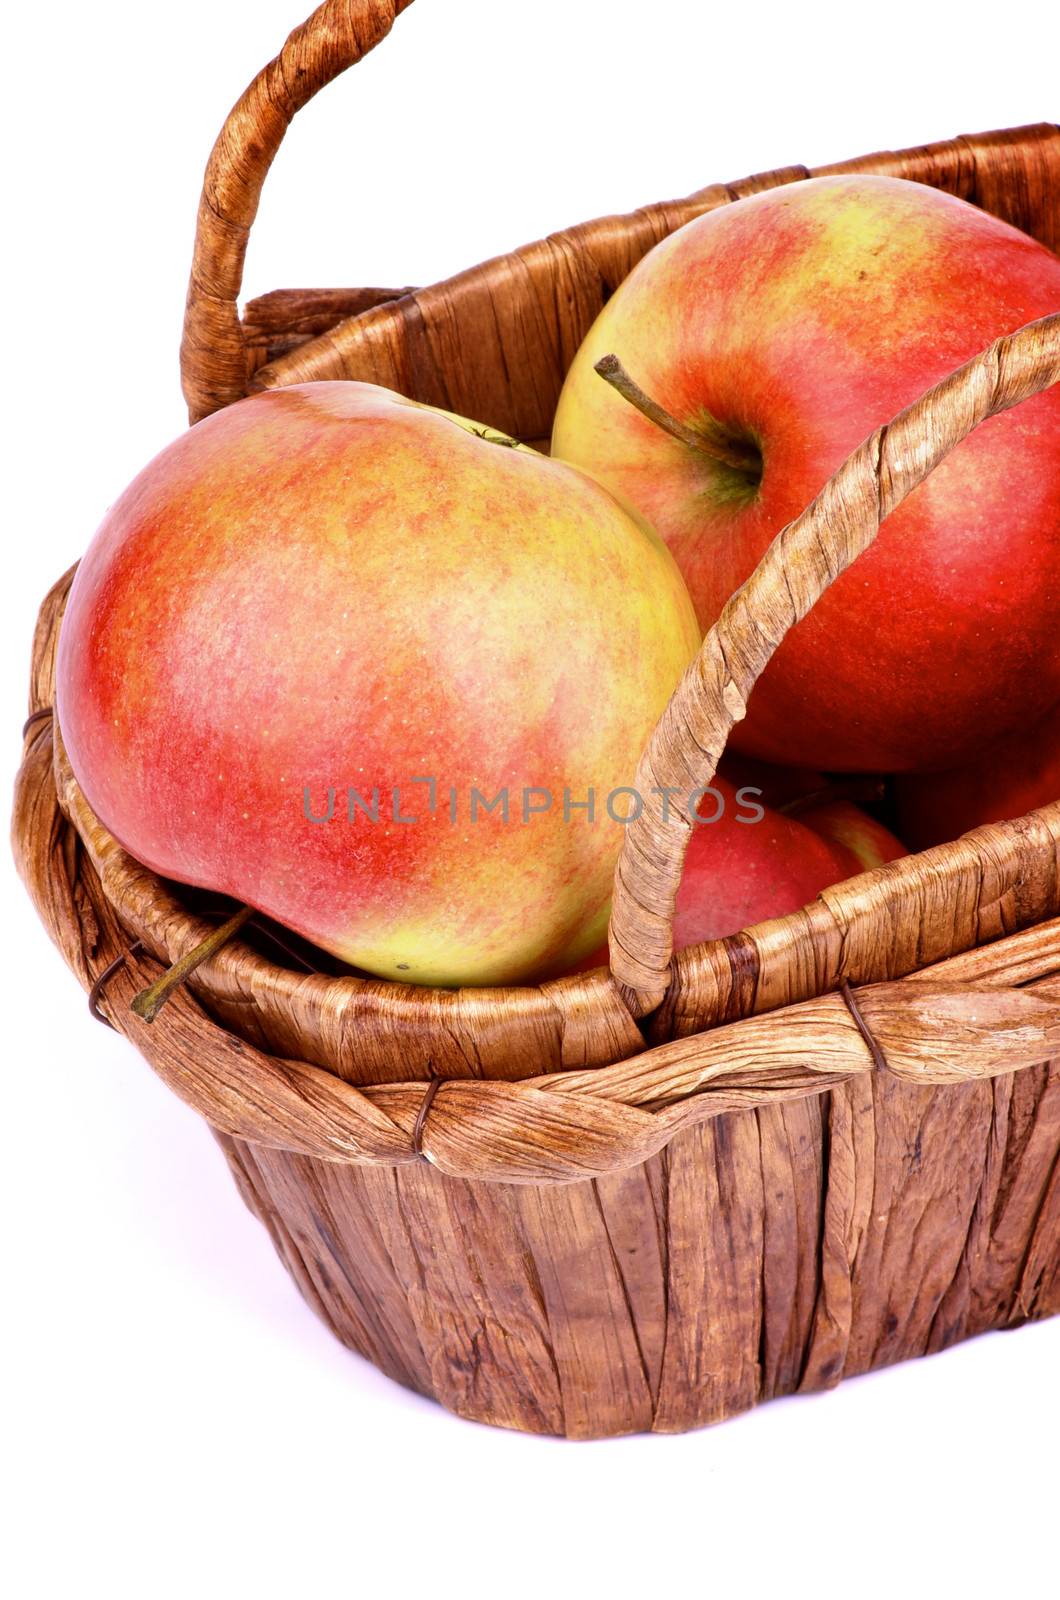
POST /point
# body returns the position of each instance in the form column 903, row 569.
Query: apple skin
column 328, row 585
column 1016, row 775
column 846, row 825
column 801, row 319
column 755, row 863
column 805, row 795
column 738, row 872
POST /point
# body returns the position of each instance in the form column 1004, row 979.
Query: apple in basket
column 833, row 807
column 358, row 664
column 754, row 863
column 754, row 349
column 749, row 861
column 1016, row 775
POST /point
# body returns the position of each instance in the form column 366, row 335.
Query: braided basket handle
column 803, row 560
column 213, row 362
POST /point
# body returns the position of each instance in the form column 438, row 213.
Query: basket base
column 762, row 1254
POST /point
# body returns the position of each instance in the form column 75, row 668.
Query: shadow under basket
column 652, row 1197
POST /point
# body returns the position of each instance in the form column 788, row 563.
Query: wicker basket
column 644, row 1200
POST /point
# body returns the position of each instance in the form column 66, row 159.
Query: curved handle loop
column 803, row 560
column 213, row 350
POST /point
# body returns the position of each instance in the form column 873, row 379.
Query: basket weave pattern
column 651, row 1197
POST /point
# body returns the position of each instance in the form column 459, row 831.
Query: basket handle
column 213, row 359
column 800, row 564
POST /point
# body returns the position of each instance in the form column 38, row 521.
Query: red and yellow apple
column 745, row 868
column 1016, row 775
column 750, row 860
column 778, row 332
column 850, row 828
column 327, row 610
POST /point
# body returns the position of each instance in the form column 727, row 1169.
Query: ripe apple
column 738, row 871
column 776, row 334
column 748, row 862
column 852, row 829
column 1016, row 775
column 828, row 807
column 327, row 596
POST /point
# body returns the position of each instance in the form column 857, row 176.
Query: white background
column 177, row 1421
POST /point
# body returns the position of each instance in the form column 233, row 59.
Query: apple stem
column 149, row 1002
column 731, row 454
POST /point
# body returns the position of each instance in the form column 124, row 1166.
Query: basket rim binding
column 594, row 989
column 151, row 913
column 991, row 1010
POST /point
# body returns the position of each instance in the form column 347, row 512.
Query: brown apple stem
column 149, row 1002
column 730, row 454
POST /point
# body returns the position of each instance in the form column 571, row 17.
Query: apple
column 324, row 630
column 1016, row 775
column 832, row 808
column 759, row 345
column 748, row 862
column 852, row 829
column 742, row 869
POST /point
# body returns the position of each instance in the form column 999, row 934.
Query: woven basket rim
column 151, row 912
column 994, row 1009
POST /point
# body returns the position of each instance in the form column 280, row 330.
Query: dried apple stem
column 149, row 1002
column 613, row 372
